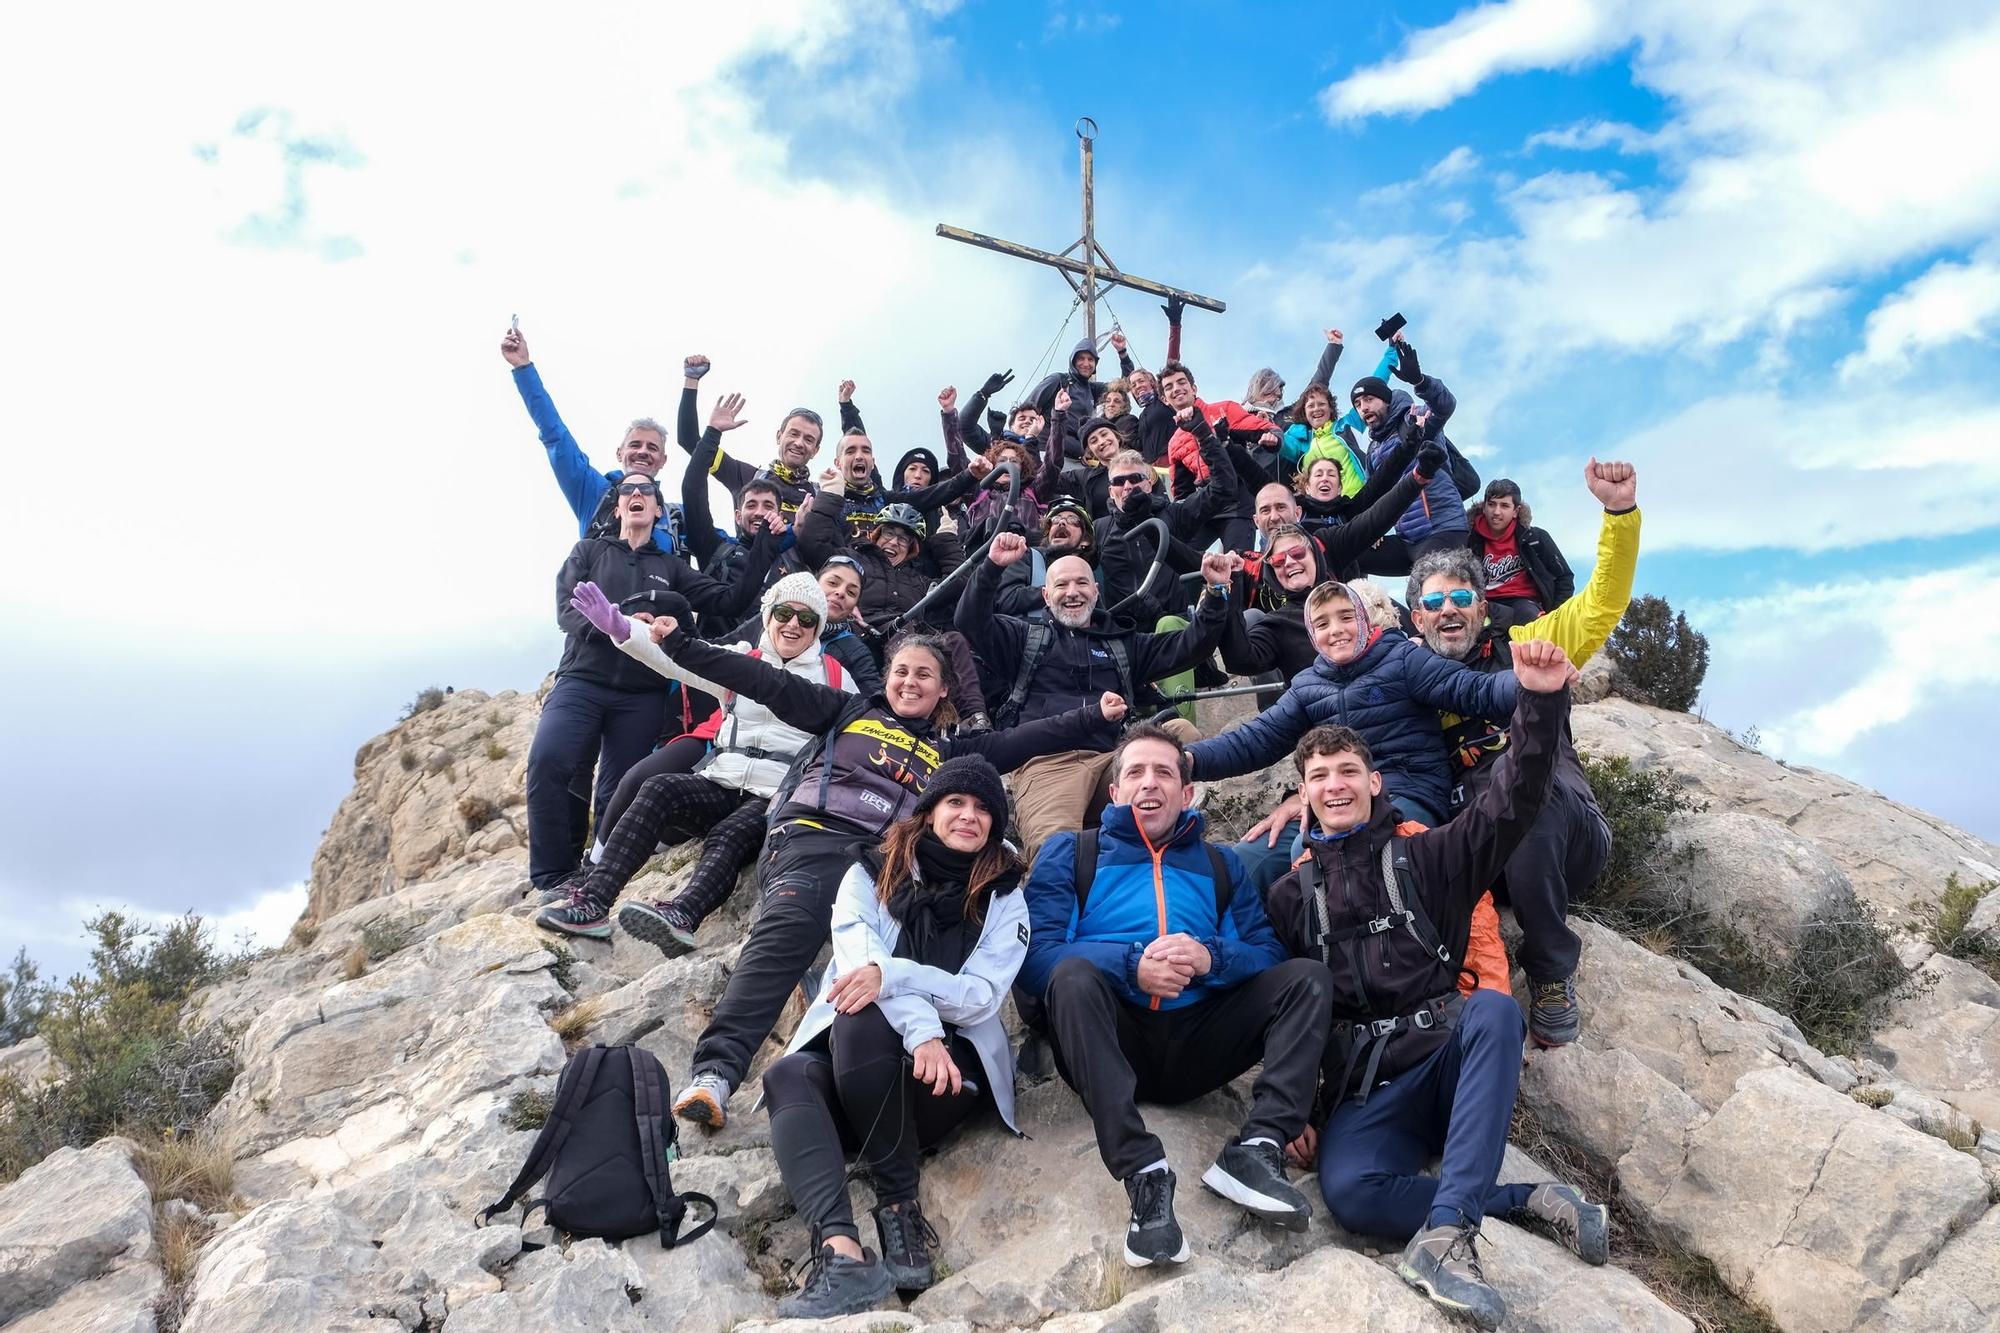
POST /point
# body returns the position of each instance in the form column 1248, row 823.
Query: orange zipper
column 1159, row 895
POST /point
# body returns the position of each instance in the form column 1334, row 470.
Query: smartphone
column 1391, row 326
column 516, row 321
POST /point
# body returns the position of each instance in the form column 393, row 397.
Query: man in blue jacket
column 592, row 494
column 1159, row 978
column 1436, row 519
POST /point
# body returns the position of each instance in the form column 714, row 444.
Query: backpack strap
column 1123, row 661
column 1225, row 883
column 658, row 1137
column 1394, row 860
column 1040, row 635
column 577, row 1078
column 1086, row 867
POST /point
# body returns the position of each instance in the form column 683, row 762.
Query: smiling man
column 1077, row 651
column 1157, row 976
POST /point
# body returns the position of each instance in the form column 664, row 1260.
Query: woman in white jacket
column 905, row 1040
column 723, row 801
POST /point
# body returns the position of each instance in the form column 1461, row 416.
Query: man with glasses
column 1126, row 554
column 1565, row 850
column 640, row 454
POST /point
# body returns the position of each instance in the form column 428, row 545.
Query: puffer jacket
column 1391, row 694
column 753, row 748
column 1139, row 894
column 886, row 590
column 1440, row 508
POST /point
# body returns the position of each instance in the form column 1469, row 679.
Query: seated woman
column 724, row 799
column 905, row 1040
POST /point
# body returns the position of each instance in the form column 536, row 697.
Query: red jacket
column 1226, row 417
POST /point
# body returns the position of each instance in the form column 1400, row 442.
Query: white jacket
column 753, row 748
column 919, row 1000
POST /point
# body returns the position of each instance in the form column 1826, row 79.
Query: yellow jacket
column 1582, row 624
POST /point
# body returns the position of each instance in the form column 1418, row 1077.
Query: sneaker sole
column 597, row 932
column 1133, row 1259
column 699, row 1107
column 1550, row 1041
column 1266, row 1208
column 648, row 926
column 1593, row 1234
column 1479, row 1318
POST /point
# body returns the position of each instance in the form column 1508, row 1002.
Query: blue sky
column 269, row 477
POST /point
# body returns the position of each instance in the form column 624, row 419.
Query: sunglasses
column 785, row 614
column 1291, row 555
column 1459, row 597
column 637, row 488
column 1128, row 479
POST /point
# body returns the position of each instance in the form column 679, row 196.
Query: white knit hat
column 801, row 588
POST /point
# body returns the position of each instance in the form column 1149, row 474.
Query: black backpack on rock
column 605, row 1149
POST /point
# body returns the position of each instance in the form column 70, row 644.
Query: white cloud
column 1947, row 303
column 1589, row 135
column 1455, row 165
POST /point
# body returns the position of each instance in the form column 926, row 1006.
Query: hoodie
column 1440, row 508
column 1082, row 392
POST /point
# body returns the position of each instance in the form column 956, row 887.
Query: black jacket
column 1077, row 668
column 793, row 484
column 1124, row 563
column 868, row 766
column 886, row 590
column 1554, row 581
column 641, row 580
column 1449, row 867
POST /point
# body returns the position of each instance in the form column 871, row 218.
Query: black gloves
column 1407, row 369
column 1172, row 309
column 995, row 382
column 1431, row 460
column 995, row 421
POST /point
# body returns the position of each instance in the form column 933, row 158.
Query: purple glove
column 589, row 601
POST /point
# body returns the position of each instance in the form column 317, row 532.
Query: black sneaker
column 667, row 926
column 836, row 1285
column 1252, row 1175
column 1553, row 1016
column 581, row 915
column 1154, row 1236
column 559, row 891
column 1443, row 1263
column 909, row 1245
column 1583, row 1226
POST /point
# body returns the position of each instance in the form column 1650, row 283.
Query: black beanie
column 1373, row 385
column 967, row 775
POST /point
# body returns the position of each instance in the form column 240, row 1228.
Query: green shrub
column 495, row 751
column 1949, row 931
column 527, row 1109
column 385, row 935
column 429, row 697
column 1661, row 659
column 127, row 1062
column 23, row 999
column 1638, row 804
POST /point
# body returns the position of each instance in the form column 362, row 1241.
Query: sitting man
column 1159, row 978
column 1525, row 573
column 1562, row 855
column 1077, row 653
column 1418, row 1068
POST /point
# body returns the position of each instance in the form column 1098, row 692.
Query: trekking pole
column 1152, row 571
column 1009, row 469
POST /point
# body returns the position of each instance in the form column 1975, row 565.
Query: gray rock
column 1550, row 1290
column 1984, row 923
column 69, row 1219
column 1812, row 1206
column 1326, row 1287
column 1755, row 874
column 593, row 1286
column 28, row 1061
column 119, row 1302
column 1944, row 1037
column 1958, row 1293
column 296, row 1263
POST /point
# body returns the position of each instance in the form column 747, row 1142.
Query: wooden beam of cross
column 1084, row 265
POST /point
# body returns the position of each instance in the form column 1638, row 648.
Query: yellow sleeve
column 1582, row 624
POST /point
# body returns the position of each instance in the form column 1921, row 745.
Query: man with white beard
column 1033, row 667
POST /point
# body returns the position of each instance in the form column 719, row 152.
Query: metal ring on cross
column 1086, row 128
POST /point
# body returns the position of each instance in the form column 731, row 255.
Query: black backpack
column 605, row 1149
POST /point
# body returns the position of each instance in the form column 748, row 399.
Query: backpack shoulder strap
column 1040, row 635
column 1086, row 866
column 658, row 1140
column 1396, row 867
column 1123, row 661
column 577, row 1078
column 1225, row 883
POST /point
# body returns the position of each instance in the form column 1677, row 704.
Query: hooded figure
column 1083, row 389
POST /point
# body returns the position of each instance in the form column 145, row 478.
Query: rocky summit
column 396, row 1055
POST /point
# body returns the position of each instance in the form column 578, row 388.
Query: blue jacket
column 1133, row 892
column 583, row 485
column 1440, row 508
column 1392, row 695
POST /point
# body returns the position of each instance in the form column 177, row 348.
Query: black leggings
column 850, row 1090
column 671, row 808
column 678, row 755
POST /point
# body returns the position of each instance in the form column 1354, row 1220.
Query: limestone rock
column 1896, row 857
column 1550, row 1290
column 1326, row 1287
column 68, row 1220
column 1754, row 873
column 28, row 1061
column 1958, row 1293
column 1814, row 1207
column 427, row 793
column 1944, row 1037
column 1984, row 923
column 296, row 1263
column 119, row 1302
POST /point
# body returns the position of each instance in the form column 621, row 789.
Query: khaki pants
column 1067, row 792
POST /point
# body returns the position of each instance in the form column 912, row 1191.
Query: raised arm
column 850, row 415
column 954, row 432
column 804, row 704
column 1581, row 625
column 1329, row 357
column 697, row 519
column 1345, row 544
column 998, row 639
column 1259, row 743
column 1158, row 655
column 1448, row 686
column 581, row 484
column 1215, row 496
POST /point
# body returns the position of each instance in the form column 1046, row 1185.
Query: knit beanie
column 801, row 588
column 1373, row 385
column 967, row 775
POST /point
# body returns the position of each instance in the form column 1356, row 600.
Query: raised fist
column 1215, row 568
column 1542, row 666
column 514, row 348
column 1007, row 548
column 1062, row 400
column 847, row 391
column 948, row 400
column 1334, row 336
column 1112, row 706
column 694, row 367
column 1616, row 485
column 1118, row 339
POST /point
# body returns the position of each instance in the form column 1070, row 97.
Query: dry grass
column 355, row 964
column 178, row 1240
column 1873, row 1095
column 199, row 1167
column 495, row 751
column 1954, row 1132
column 573, row 1022
column 478, row 811
column 1684, row 1280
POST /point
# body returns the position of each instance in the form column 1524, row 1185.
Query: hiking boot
column 1443, row 1263
column 1252, row 1175
column 1583, row 1226
column 836, row 1285
column 1553, row 1016
column 667, row 926
column 704, row 1101
column 559, row 891
column 582, row 915
column 1154, row 1236
column 909, row 1245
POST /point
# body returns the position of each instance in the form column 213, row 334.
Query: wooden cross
column 1094, row 269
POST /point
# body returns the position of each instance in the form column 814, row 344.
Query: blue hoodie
column 1440, row 508
column 1136, row 897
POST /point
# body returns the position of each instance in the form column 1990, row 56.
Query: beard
column 1073, row 617
column 1435, row 641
